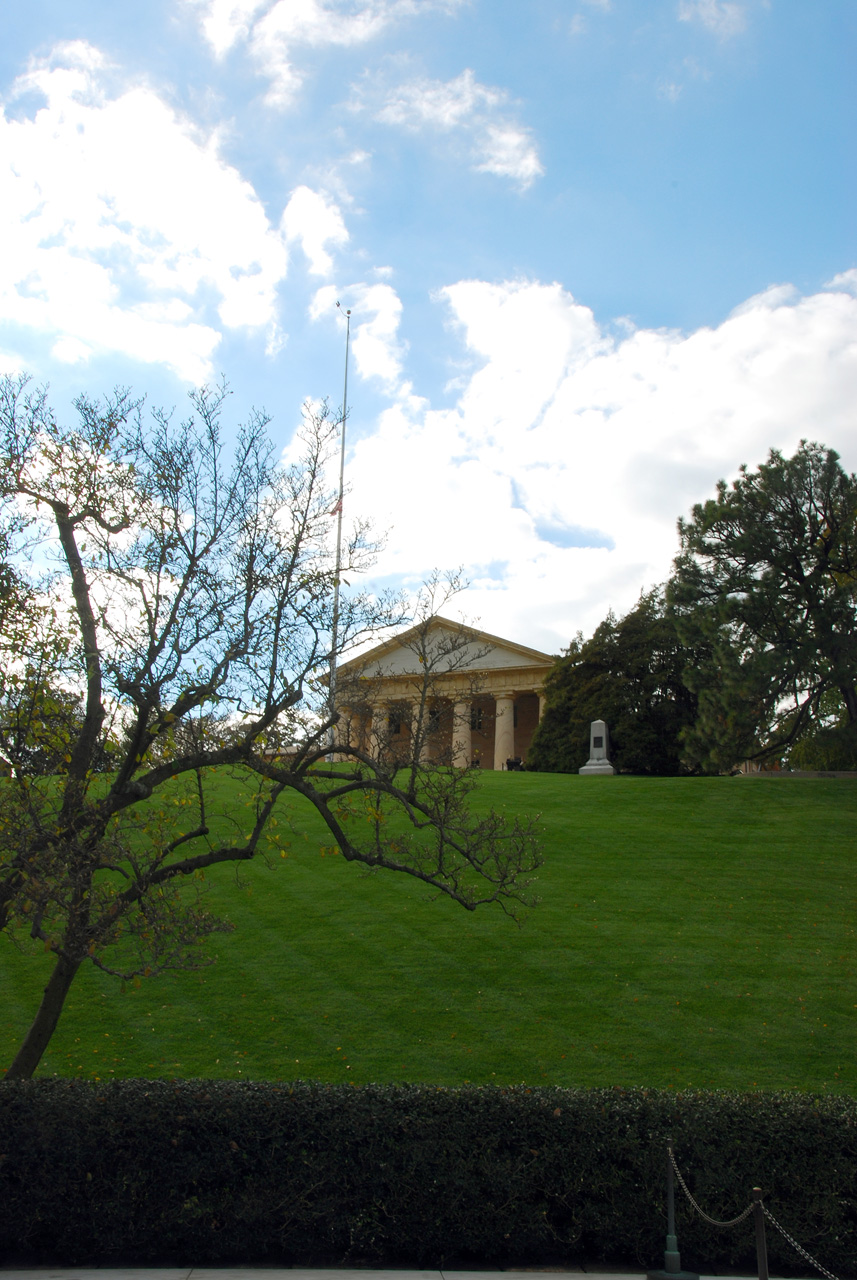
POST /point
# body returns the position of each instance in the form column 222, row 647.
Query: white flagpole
column 334, row 643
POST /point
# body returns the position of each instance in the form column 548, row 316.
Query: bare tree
column 185, row 602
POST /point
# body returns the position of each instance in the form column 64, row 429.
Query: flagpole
column 334, row 644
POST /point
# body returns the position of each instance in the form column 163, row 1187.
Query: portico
column 450, row 693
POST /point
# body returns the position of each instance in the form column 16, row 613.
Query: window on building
column 476, row 719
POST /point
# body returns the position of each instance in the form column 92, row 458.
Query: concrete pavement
column 301, row 1273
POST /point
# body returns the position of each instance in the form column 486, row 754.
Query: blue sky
column 598, row 252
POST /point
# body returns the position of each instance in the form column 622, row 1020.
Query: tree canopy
column 766, row 586
column 629, row 673
column 172, row 605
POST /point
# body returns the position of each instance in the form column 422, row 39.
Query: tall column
column 504, row 730
column 461, row 742
column 421, row 728
column 541, row 697
column 340, row 734
column 375, row 719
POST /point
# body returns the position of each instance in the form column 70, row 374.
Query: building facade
column 447, row 693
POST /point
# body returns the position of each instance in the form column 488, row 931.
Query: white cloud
column 845, row 280
column 444, row 103
column 323, row 300
column 669, row 90
column 315, row 223
column 578, row 23
column 776, row 295
column 723, row 17
column 496, row 142
column 275, row 31
column 9, row 364
column 506, row 149
column 558, row 476
column 226, row 22
column 690, row 69
column 376, row 312
column 378, row 349
column 123, row 228
column 332, row 176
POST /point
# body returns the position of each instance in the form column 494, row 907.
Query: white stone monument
column 598, row 743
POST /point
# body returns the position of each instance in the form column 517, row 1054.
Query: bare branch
column 178, row 619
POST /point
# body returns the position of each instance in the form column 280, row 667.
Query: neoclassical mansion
column 473, row 698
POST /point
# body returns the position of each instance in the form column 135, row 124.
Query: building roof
column 397, row 656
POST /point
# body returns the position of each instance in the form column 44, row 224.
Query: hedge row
column 204, row 1172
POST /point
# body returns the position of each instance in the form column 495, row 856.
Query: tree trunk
column 44, row 1024
column 849, row 697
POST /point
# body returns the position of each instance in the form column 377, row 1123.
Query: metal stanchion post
column 672, row 1258
column 761, row 1244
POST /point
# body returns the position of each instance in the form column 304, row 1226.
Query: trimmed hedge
column 211, row 1172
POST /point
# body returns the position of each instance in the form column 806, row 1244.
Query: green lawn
column 691, row 932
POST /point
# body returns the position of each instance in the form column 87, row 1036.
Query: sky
column 598, row 254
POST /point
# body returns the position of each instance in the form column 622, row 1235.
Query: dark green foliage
column 767, row 578
column 832, row 746
column 208, row 1173
column 630, row 675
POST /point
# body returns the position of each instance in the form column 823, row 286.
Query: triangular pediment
column 450, row 646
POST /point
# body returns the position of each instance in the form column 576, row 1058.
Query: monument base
column 672, row 1275
column 597, row 766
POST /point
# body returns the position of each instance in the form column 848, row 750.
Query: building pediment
column 449, row 646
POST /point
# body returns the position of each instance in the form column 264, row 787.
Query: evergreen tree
column 766, row 585
column 629, row 674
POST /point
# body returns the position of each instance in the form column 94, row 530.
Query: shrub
column 205, row 1172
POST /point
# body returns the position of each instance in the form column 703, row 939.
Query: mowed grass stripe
column 690, row 932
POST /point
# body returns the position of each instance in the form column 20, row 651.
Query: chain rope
column 733, row 1222
column 794, row 1244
